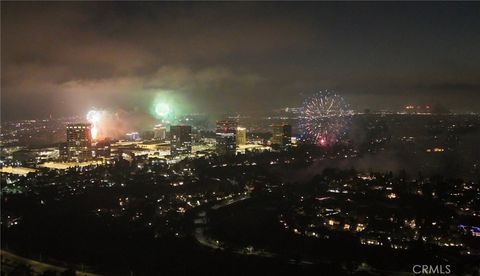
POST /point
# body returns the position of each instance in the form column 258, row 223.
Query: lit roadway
column 200, row 222
column 12, row 260
column 200, row 229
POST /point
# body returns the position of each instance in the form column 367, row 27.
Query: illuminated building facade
column 181, row 142
column 132, row 136
column 226, row 133
column 79, row 142
column 159, row 132
column 282, row 135
column 241, row 136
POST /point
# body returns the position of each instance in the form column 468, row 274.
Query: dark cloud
column 448, row 87
column 65, row 57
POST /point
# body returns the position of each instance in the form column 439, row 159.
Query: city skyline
column 240, row 138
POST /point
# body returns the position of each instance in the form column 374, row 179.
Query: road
column 10, row 260
column 201, row 220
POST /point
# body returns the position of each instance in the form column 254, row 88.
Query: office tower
column 159, row 132
column 282, row 135
column 181, row 142
column 79, row 142
column 226, row 137
column 241, row 136
column 63, row 151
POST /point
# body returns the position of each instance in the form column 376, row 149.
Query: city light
column 180, row 138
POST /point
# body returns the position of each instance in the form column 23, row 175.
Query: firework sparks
column 162, row 109
column 94, row 116
column 325, row 118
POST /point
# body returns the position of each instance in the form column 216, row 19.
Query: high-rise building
column 159, row 132
column 241, row 136
column 79, row 142
column 181, row 142
column 63, row 151
column 282, row 135
column 226, row 137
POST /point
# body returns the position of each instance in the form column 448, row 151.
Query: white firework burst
column 325, row 118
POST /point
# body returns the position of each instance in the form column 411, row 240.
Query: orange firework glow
column 93, row 116
column 93, row 132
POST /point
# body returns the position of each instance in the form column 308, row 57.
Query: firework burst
column 94, row 117
column 325, row 118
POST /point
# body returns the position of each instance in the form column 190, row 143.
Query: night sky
column 64, row 58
